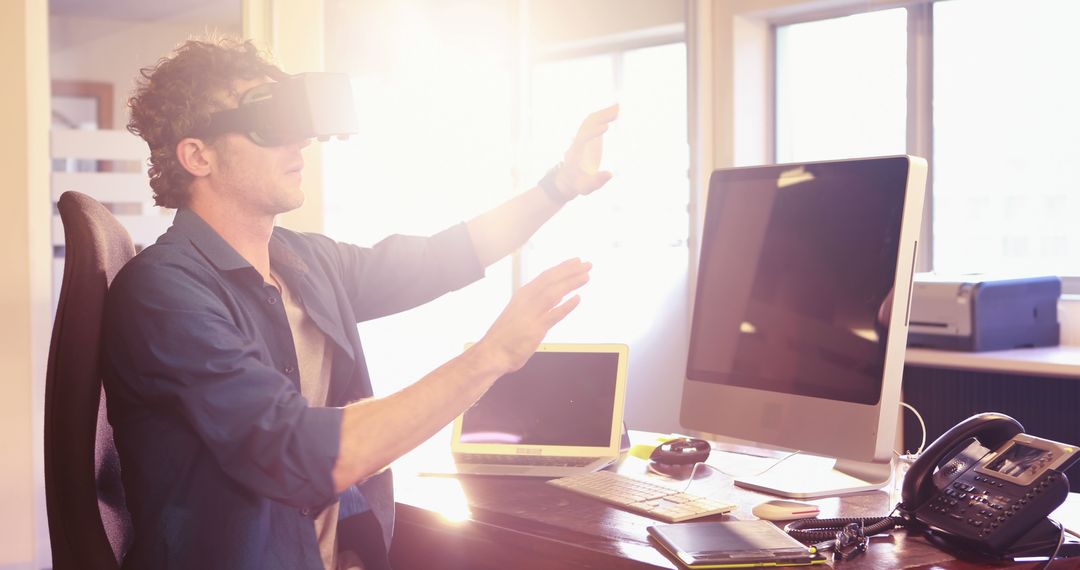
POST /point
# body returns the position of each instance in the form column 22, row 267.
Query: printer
column 978, row 312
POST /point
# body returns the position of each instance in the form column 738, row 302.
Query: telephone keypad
column 985, row 506
column 982, row 516
column 990, row 482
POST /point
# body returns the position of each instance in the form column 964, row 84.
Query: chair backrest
column 89, row 525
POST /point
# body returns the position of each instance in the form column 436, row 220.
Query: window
column 833, row 101
column 1006, row 124
column 457, row 116
column 635, row 230
column 433, row 84
column 1002, row 126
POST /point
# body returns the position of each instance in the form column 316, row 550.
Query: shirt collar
column 283, row 256
column 222, row 255
column 216, row 250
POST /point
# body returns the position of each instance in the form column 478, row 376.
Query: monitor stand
column 804, row 476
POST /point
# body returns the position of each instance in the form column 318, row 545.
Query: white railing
column 109, row 166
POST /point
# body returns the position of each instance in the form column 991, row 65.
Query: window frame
column 920, row 94
column 615, row 46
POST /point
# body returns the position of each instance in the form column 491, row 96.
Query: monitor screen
column 799, row 320
column 557, row 398
column 797, row 265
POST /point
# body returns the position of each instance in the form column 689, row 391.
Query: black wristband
column 548, row 185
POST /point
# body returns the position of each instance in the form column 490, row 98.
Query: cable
column 694, row 470
column 922, row 424
column 818, row 530
column 1061, row 540
column 763, row 471
column 781, row 460
column 693, row 473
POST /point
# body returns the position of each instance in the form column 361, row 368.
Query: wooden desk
column 521, row 523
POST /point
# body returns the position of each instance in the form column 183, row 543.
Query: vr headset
column 302, row 106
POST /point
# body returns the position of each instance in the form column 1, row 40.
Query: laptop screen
column 557, row 398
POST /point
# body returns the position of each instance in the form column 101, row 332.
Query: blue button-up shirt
column 223, row 460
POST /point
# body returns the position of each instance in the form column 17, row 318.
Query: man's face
column 263, row 179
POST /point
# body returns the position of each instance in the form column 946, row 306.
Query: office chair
column 88, row 522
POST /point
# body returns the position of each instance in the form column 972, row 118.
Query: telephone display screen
column 1020, row 460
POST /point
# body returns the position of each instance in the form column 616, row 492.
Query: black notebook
column 732, row 544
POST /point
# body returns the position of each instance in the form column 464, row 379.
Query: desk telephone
column 993, row 483
column 983, row 485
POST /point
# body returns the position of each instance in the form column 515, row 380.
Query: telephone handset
column 986, row 482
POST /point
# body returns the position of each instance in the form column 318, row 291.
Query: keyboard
column 650, row 499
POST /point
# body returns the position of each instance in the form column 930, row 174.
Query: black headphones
column 681, row 451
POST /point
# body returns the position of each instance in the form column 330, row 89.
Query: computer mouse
column 681, row 451
column 779, row 510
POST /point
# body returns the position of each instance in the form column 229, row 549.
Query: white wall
column 554, row 22
column 25, row 256
column 113, row 51
column 294, row 32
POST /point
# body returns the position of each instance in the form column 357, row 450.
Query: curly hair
column 174, row 99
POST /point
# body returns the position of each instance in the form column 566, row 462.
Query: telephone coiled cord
column 818, row 530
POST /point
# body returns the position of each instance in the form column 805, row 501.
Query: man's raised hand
column 533, row 310
column 580, row 172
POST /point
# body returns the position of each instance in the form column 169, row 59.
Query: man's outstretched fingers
column 564, row 270
column 605, row 115
column 559, row 313
column 589, row 132
column 554, row 291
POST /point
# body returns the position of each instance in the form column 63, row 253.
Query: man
column 237, row 389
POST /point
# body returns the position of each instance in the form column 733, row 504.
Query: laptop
column 559, row 415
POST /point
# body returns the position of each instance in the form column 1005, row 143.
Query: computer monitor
column 800, row 316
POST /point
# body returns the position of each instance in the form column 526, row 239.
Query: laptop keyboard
column 542, row 460
column 650, row 499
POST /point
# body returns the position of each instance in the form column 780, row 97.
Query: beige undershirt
column 314, row 365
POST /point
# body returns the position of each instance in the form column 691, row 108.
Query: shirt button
column 289, row 369
column 305, row 511
column 271, row 300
